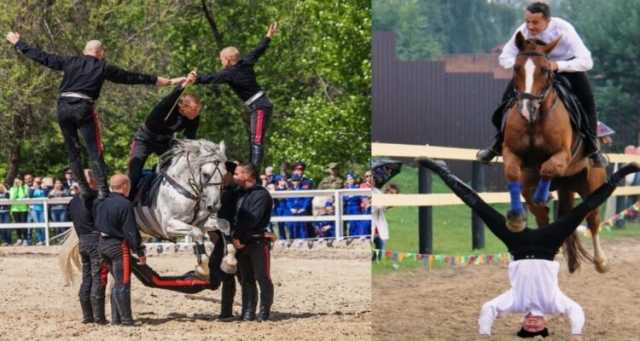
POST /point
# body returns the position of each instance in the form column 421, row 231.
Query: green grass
column 451, row 227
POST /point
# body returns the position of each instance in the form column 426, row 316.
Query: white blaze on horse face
column 529, row 69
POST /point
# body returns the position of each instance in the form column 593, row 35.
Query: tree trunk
column 14, row 163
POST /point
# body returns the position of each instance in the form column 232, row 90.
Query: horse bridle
column 197, row 187
column 535, row 101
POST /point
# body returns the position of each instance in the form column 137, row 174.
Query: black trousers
column 254, row 263
column 261, row 111
column 21, row 217
column 581, row 88
column 115, row 253
column 78, row 115
column 142, row 147
column 91, row 285
column 548, row 238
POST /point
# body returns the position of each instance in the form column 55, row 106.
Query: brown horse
column 540, row 145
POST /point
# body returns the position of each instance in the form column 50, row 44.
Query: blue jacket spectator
column 36, row 211
column 298, row 207
column 352, row 203
column 280, row 206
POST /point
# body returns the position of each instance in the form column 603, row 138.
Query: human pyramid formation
column 103, row 215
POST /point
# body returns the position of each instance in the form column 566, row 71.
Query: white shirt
column 570, row 46
column 534, row 289
column 379, row 220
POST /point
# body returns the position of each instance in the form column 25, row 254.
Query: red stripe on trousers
column 259, row 126
column 104, row 273
column 96, row 121
column 163, row 283
column 267, row 261
column 126, row 262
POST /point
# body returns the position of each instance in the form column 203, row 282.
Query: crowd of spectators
column 28, row 186
column 293, row 179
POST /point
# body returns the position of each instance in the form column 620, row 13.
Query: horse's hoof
column 601, row 266
column 515, row 221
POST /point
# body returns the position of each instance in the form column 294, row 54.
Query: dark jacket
column 114, row 216
column 81, row 216
column 240, row 77
column 83, row 74
column 161, row 122
column 253, row 214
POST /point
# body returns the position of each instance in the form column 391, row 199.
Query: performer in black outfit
column 115, row 220
column 239, row 74
column 533, row 273
column 251, row 224
column 79, row 90
column 173, row 114
column 91, row 289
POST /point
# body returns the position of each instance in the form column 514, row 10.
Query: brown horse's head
column 532, row 75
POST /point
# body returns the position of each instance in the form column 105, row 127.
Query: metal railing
column 338, row 217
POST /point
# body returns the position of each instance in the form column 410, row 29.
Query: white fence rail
column 338, row 217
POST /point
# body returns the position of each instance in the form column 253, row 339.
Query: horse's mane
column 200, row 151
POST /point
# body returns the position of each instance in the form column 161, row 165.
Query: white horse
column 182, row 201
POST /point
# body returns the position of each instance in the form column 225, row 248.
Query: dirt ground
column 316, row 298
column 444, row 304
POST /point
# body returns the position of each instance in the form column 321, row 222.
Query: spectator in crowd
column 19, row 212
column 380, row 225
column 284, row 170
column 268, row 172
column 264, row 181
column 4, row 217
column 305, row 184
column 68, row 180
column 28, row 180
column 280, row 206
column 36, row 211
column 333, row 180
column 352, row 202
column 47, row 184
column 298, row 207
column 368, row 180
column 324, row 206
column 58, row 211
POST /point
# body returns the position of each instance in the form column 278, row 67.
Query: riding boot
column 257, row 154
column 265, row 311
column 87, row 312
column 249, row 302
column 486, row 155
column 115, row 315
column 227, row 296
column 123, row 300
column 593, row 147
column 100, row 174
column 97, row 305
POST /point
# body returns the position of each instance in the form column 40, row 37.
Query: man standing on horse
column 239, row 74
column 570, row 59
column 533, row 273
column 119, row 234
column 79, row 90
column 174, row 113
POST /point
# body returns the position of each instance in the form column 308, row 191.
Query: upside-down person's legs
column 494, row 220
column 559, row 230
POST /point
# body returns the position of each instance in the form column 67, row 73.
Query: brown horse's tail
column 575, row 252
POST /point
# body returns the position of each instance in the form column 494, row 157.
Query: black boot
column 115, row 315
column 100, row 174
column 265, row 311
column 257, row 155
column 97, row 305
column 123, row 301
column 87, row 312
column 486, row 155
column 249, row 302
column 227, row 296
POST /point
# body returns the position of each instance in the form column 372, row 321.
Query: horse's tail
column 69, row 256
column 575, row 252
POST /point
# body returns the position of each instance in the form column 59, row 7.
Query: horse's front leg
column 181, row 228
column 513, row 173
column 214, row 223
column 555, row 166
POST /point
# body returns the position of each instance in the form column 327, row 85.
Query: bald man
column 239, row 74
column 115, row 220
column 80, row 88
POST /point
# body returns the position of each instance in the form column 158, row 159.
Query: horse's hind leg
column 541, row 212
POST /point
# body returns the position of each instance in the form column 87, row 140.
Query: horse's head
column 532, row 75
column 199, row 166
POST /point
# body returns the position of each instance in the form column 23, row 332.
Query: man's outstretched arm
column 49, row 60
